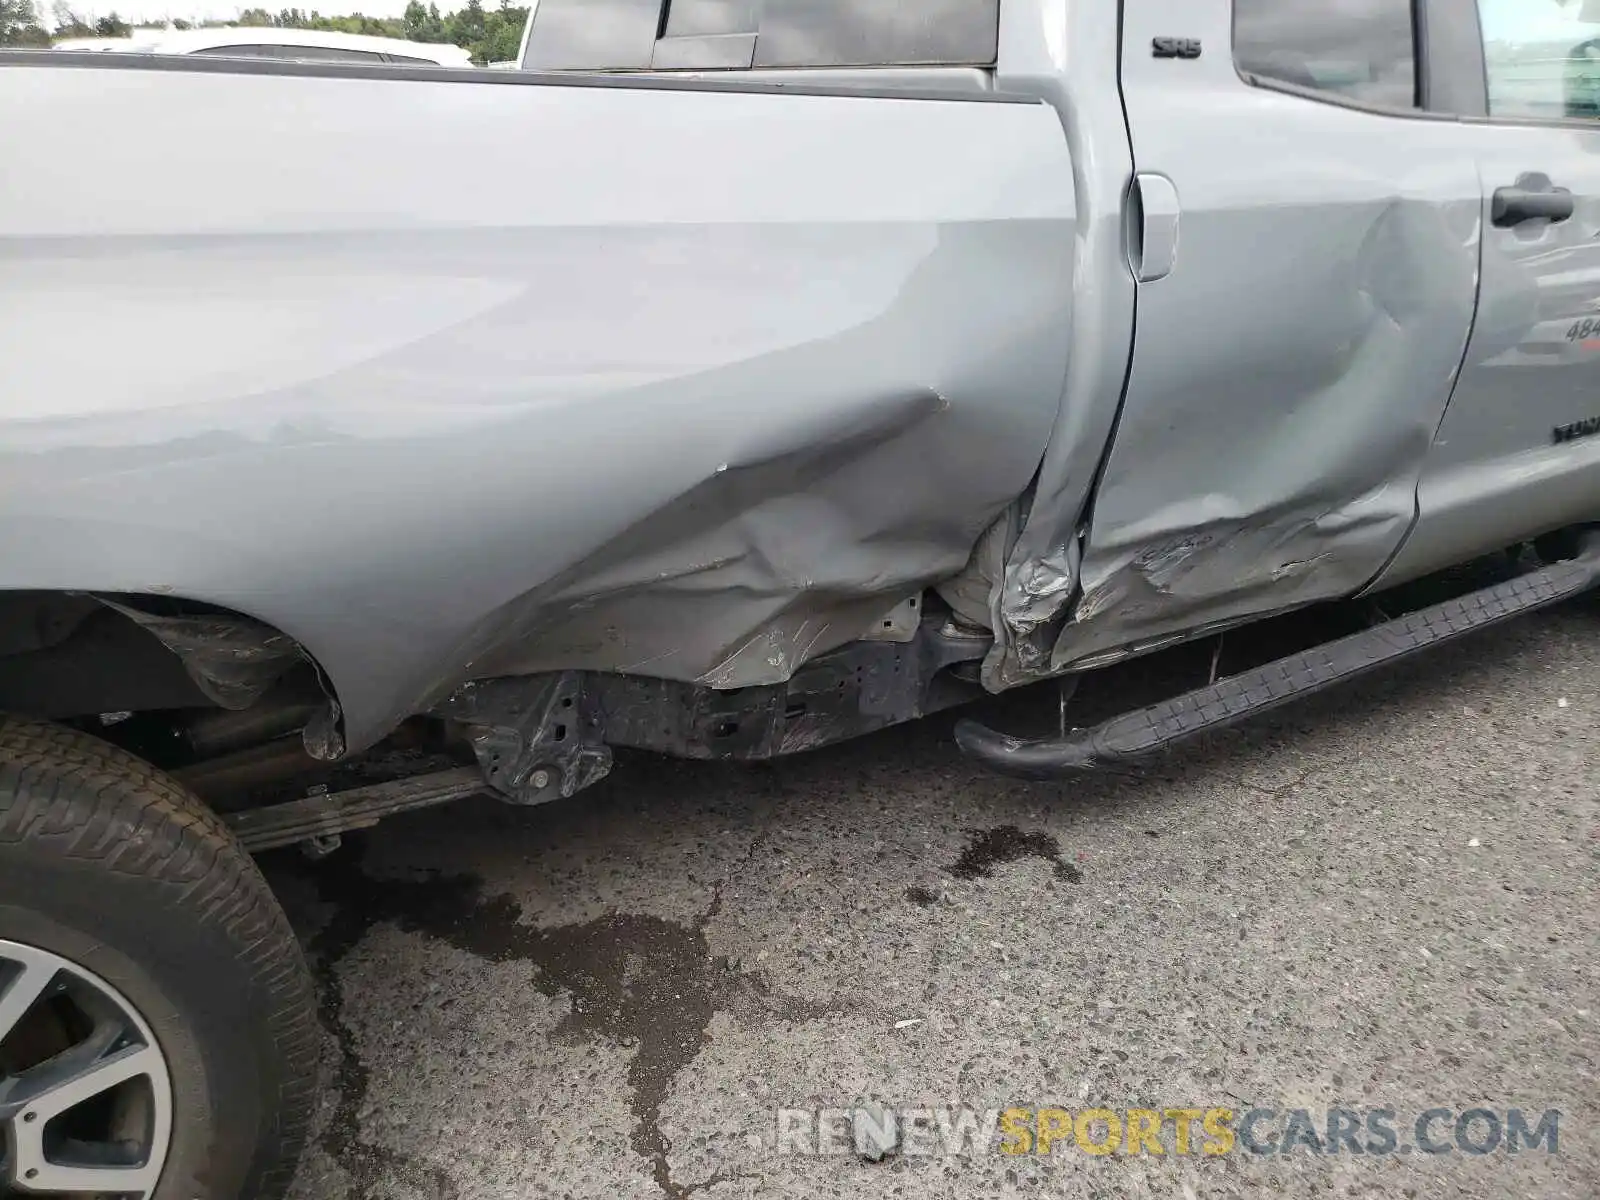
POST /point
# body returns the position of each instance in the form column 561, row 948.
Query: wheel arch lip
column 233, row 658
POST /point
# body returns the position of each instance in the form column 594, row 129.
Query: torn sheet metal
column 1076, row 72
column 972, row 595
column 233, row 660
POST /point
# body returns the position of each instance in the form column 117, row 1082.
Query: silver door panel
column 1516, row 454
column 1290, row 371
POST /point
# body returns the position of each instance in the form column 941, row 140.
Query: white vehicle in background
column 304, row 45
column 94, row 43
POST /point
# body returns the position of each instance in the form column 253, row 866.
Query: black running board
column 1138, row 734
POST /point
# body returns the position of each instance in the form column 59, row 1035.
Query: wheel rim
column 85, row 1093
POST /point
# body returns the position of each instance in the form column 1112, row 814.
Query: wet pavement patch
column 366, row 1164
column 987, row 848
column 632, row 980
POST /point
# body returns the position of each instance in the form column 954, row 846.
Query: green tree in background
column 466, row 27
column 502, row 34
column 423, row 22
column 487, row 36
column 112, row 25
column 19, row 25
column 68, row 23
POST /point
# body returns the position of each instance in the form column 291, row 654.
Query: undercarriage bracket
column 537, row 737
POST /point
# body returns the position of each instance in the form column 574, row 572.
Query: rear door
column 1305, row 234
column 1517, row 453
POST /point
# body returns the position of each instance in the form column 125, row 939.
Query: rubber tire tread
column 102, row 806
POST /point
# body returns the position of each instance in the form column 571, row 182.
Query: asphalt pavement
column 798, row 979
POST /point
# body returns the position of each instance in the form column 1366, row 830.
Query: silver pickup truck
column 730, row 380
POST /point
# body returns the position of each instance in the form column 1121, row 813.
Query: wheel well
column 67, row 655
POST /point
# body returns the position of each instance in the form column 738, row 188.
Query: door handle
column 1153, row 216
column 1533, row 198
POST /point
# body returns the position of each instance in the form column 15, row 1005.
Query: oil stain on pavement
column 632, row 980
column 987, row 848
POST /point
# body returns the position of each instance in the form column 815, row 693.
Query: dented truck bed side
column 673, row 380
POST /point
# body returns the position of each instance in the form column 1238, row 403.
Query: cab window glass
column 1361, row 50
column 238, row 51
column 621, row 35
column 877, row 33
column 1542, row 58
column 710, row 18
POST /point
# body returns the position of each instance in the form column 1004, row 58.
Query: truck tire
column 158, row 1034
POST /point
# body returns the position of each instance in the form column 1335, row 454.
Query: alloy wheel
column 85, row 1091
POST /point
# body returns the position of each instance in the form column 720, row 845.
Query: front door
column 1518, row 452
column 1297, row 342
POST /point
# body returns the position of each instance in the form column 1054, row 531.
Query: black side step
column 1229, row 701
